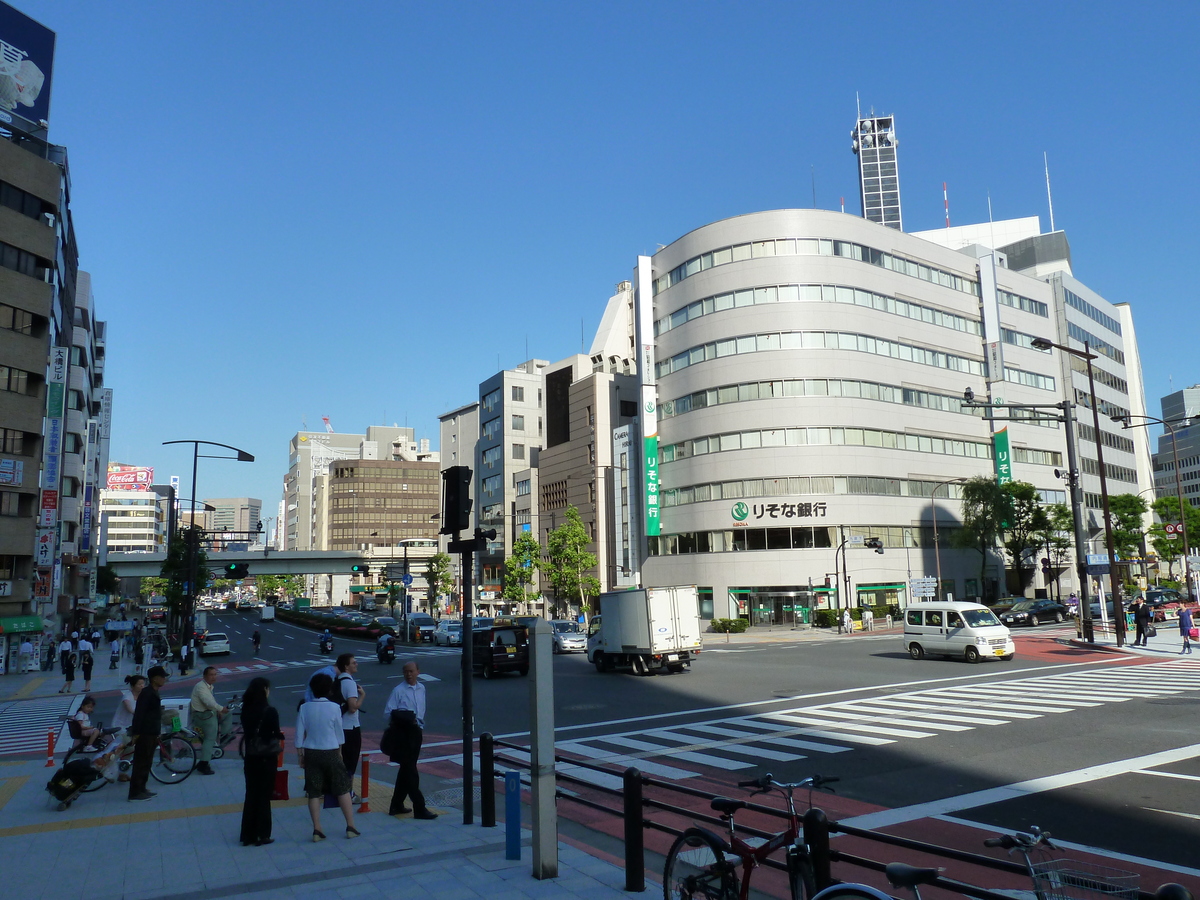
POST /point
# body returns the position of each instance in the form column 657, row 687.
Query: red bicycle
column 703, row 865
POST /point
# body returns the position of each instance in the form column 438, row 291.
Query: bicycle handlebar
column 768, row 782
column 1021, row 840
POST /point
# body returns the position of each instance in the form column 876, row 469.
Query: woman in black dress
column 260, row 720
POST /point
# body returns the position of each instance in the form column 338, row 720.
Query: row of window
column 1167, row 463
column 363, row 536
column 1114, row 472
column 382, row 503
column 1016, row 301
column 15, row 380
column 795, row 538
column 387, row 472
column 14, row 504
column 1091, row 312
column 13, row 441
column 492, row 485
column 1029, row 379
column 815, row 247
column 22, row 201
column 13, row 319
column 23, row 261
column 817, row 340
column 1116, row 441
column 1106, row 378
column 1094, row 343
column 1084, row 399
column 1020, row 339
column 815, row 293
column 349, row 517
column 808, row 485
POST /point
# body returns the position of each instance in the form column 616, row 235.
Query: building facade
column 1180, row 409
column 237, row 514
column 805, row 373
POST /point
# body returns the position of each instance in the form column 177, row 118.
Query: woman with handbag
column 263, row 746
column 1186, row 628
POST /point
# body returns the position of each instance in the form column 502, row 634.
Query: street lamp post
column 1168, row 425
column 1114, row 579
column 189, row 619
column 937, row 549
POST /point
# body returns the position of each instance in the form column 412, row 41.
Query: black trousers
column 143, row 758
column 1140, row 637
column 408, row 781
column 256, row 810
column 351, row 749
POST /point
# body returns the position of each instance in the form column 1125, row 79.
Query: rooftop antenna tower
column 873, row 141
column 946, row 201
column 1049, row 199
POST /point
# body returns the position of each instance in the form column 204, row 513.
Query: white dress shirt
column 319, row 726
column 406, row 696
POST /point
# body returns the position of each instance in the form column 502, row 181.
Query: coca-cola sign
column 129, row 478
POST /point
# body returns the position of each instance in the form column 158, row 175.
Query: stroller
column 79, row 776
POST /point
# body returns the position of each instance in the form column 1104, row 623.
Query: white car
column 448, row 633
column 568, row 636
column 214, row 643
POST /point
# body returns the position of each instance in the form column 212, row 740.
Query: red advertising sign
column 129, row 478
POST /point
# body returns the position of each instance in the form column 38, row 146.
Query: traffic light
column 1046, row 566
column 237, row 570
column 456, row 499
column 874, row 544
column 361, row 569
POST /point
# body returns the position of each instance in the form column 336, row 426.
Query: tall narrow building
column 874, row 142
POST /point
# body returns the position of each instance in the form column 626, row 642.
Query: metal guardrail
column 817, row 827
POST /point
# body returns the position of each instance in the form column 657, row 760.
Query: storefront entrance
column 773, row 606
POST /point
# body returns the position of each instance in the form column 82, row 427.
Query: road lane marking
column 1167, row 775
column 1020, row 789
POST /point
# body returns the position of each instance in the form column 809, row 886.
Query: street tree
column 278, row 586
column 985, row 509
column 1023, row 528
column 176, row 570
column 1057, row 538
column 1170, row 546
column 521, row 567
column 438, row 577
column 567, row 563
column 1127, row 511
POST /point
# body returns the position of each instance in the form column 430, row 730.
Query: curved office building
column 809, row 369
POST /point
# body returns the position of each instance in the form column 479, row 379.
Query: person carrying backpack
column 351, row 695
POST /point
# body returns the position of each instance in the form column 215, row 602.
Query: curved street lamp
column 189, row 620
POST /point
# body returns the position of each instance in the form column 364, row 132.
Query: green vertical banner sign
column 650, row 470
column 1002, row 456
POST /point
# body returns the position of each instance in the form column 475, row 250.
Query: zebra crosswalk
column 748, row 741
column 24, row 724
column 317, row 662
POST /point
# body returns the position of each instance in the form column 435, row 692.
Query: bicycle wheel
column 174, row 760
column 800, row 874
column 698, row 868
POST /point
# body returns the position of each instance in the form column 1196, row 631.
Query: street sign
column 1173, row 527
column 923, row 587
column 406, row 580
column 1194, row 559
column 855, row 539
column 1100, row 559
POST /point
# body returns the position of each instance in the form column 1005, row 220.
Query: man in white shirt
column 208, row 717
column 352, row 698
column 25, row 654
column 408, row 696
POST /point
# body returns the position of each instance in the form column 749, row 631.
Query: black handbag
column 259, row 746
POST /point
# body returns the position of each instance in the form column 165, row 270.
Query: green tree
column 1168, row 546
column 175, row 569
column 152, row 587
column 269, row 586
column 567, row 562
column 107, row 580
column 1058, row 537
column 1023, row 528
column 1127, row 511
column 521, row 567
column 985, row 508
column 438, row 577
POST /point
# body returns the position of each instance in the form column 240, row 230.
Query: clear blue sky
column 361, row 210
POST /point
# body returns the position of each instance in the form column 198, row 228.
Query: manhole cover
column 449, row 797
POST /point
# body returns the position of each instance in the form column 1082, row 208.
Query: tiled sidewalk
column 184, row 844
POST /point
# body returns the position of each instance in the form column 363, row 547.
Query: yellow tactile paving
column 29, row 688
column 133, row 818
column 9, row 786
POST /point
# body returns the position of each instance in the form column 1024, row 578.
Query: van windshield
column 980, row 618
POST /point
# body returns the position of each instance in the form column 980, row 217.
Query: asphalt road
column 1113, row 739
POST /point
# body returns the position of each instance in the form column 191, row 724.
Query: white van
column 954, row 629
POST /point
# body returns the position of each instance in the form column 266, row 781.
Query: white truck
column 267, row 613
column 647, row 630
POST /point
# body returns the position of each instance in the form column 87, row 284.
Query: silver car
column 568, row 636
column 448, row 633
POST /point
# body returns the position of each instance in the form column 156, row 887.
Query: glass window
column 518, row 451
column 518, row 423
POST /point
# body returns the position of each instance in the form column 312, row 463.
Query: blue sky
column 361, row 210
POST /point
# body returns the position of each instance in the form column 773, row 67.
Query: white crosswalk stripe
column 317, row 662
column 24, row 724
column 741, row 742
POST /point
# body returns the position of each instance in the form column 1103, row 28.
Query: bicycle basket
column 1072, row 879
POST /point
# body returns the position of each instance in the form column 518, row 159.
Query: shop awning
column 881, row 587
column 16, row 624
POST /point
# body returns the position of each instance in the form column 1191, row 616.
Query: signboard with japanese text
column 49, row 513
column 26, row 67
column 745, row 513
column 1003, row 456
column 12, row 472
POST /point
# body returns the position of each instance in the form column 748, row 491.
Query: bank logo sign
column 740, row 511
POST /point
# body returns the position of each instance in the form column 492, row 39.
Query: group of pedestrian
column 76, row 651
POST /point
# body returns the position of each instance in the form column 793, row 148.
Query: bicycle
column 174, row 759
column 223, row 740
column 702, row 865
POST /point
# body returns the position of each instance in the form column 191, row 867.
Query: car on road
column 388, row 624
column 1156, row 597
column 568, row 636
column 1004, row 604
column 284, row 604
column 500, row 648
column 418, row 627
column 245, row 604
column 1035, row 612
column 956, row 630
column 214, row 643
column 448, row 633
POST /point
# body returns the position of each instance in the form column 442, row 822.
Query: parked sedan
column 1034, row 612
column 568, row 636
column 1156, row 597
column 387, row 623
column 448, row 633
column 214, row 643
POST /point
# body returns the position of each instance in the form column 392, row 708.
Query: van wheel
column 972, row 655
column 524, row 670
column 488, row 671
column 916, row 651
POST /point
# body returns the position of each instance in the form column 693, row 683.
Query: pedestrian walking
column 48, row 652
column 847, row 622
column 261, row 723
column 68, row 658
column 147, row 724
column 404, row 714
column 256, row 640
column 209, row 717
column 139, row 655
column 114, row 655
column 1185, row 629
column 24, row 654
column 352, row 696
column 1141, row 620
column 87, row 659
column 318, row 747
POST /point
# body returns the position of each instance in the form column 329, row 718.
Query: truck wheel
column 488, row 671
column 598, row 661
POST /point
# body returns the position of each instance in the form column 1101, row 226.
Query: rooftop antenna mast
column 946, row 201
column 1049, row 199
